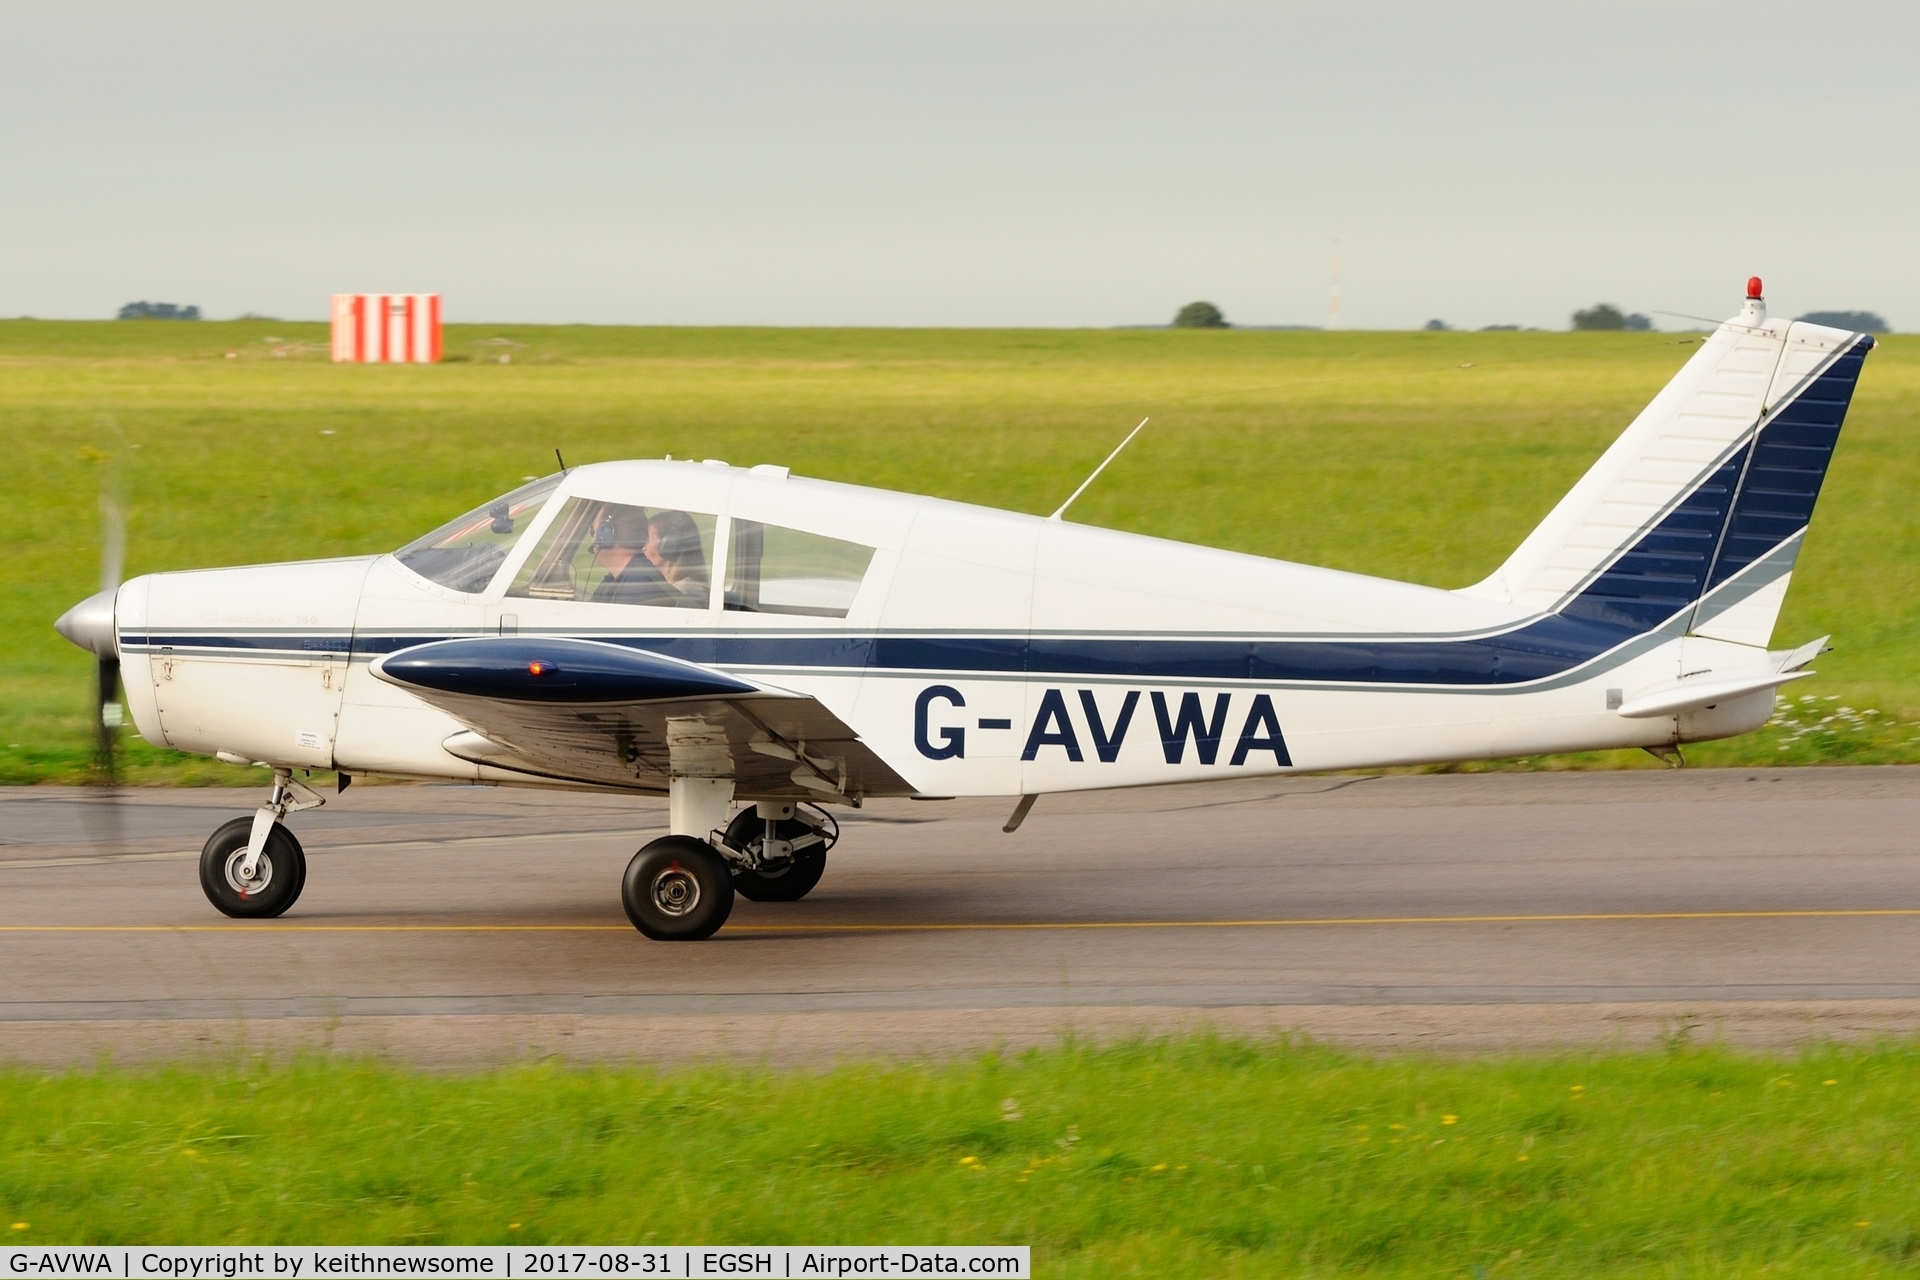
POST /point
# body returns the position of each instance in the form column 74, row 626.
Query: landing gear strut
column 677, row 888
column 253, row 868
column 783, row 850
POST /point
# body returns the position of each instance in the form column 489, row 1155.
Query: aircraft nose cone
column 89, row 624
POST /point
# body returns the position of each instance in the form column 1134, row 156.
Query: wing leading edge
column 588, row 711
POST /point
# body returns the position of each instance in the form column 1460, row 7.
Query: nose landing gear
column 253, row 868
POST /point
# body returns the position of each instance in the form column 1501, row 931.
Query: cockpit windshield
column 465, row 554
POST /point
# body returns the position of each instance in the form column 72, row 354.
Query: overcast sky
column 976, row 163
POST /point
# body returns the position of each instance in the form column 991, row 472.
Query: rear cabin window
column 465, row 554
column 776, row 570
column 613, row 553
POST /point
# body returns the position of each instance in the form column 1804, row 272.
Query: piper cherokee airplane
column 741, row 636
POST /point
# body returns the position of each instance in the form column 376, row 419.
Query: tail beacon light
column 386, row 328
column 1755, row 312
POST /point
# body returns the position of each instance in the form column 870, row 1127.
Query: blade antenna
column 1097, row 470
column 1688, row 315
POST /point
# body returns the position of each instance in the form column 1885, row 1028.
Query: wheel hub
column 247, row 886
column 675, row 891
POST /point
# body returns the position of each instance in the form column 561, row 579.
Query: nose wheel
column 262, row 890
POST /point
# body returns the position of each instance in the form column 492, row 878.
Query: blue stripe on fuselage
column 1543, row 648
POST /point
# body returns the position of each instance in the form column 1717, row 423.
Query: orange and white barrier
column 379, row 328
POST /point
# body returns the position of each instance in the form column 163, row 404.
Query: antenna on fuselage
column 557, row 458
column 1097, row 470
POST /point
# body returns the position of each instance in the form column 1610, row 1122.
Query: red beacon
column 1753, row 286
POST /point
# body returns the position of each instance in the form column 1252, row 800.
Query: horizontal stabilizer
column 1704, row 691
column 1795, row 659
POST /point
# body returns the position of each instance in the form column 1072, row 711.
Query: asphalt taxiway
column 454, row 925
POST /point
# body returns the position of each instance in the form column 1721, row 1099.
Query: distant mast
column 1333, row 287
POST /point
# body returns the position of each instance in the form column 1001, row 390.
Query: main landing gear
column 253, row 868
column 680, row 888
column 782, row 848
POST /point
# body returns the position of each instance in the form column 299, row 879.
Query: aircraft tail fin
column 1700, row 507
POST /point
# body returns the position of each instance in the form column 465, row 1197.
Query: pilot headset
column 605, row 535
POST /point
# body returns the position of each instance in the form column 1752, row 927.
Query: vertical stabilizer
column 1700, row 506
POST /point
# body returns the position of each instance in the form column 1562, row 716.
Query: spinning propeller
column 90, row 625
column 106, row 658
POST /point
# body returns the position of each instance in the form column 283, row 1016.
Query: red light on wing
column 538, row 668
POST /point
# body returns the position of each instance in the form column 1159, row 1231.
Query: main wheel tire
column 788, row 882
column 677, row 890
column 278, row 876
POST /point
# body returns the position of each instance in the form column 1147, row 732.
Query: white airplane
column 741, row 636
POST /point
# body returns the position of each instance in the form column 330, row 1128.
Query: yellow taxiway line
column 1304, row 922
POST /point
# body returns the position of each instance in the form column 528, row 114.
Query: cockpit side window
column 775, row 570
column 613, row 553
column 465, row 554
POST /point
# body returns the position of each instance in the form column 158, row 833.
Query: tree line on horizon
column 1602, row 317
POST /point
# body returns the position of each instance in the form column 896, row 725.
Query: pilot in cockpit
column 673, row 547
column 619, row 541
column 650, row 559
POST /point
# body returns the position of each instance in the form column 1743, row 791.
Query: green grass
column 1194, row 1156
column 1377, row 452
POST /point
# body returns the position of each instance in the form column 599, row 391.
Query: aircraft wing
column 589, row 711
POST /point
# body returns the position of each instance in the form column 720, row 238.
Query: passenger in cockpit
column 619, row 540
column 673, row 547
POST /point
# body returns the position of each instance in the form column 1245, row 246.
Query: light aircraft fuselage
column 725, row 634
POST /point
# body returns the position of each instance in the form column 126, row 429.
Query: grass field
column 1194, row 1157
column 1424, row 456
